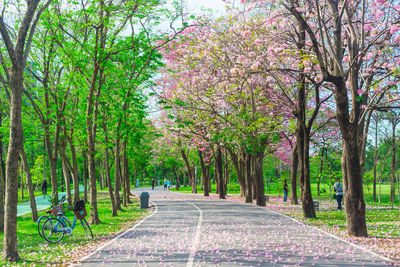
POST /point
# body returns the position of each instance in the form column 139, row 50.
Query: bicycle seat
column 48, row 211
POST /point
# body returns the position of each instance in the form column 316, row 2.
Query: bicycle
column 55, row 229
column 55, row 211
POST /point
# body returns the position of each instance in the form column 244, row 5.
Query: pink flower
column 397, row 39
column 258, row 42
column 360, row 91
column 367, row 28
column 255, row 66
column 394, row 29
column 246, row 34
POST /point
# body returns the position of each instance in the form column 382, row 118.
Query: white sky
column 195, row 6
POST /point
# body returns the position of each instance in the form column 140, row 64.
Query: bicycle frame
column 66, row 230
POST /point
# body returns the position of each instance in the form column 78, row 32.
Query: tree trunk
column 225, row 184
column 74, row 172
column 248, row 180
column 44, row 159
column 375, row 160
column 2, row 177
column 117, row 177
column 126, row 174
column 22, row 180
column 393, row 165
column 10, row 250
column 353, row 190
column 52, row 154
column 191, row 174
column 64, row 166
column 28, row 177
column 321, row 168
column 94, row 217
column 293, row 175
column 84, row 175
column 238, row 170
column 253, row 177
column 204, row 174
column 107, row 171
column 176, row 178
column 218, row 160
column 259, row 177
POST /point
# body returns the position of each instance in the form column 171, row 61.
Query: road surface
column 186, row 230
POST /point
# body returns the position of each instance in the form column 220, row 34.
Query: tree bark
column 248, row 180
column 375, row 160
column 393, row 165
column 52, row 154
column 85, row 175
column 64, row 166
column 253, row 176
column 293, row 175
column 204, row 174
column 353, row 190
column 239, row 171
column 126, row 174
column 10, row 250
column 218, row 160
column 107, row 171
column 259, row 177
column 191, row 174
column 31, row 192
column 117, row 176
column 74, row 172
column 2, row 178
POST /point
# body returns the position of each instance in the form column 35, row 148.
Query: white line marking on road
column 196, row 237
column 118, row 236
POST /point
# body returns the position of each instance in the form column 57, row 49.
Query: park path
column 186, row 230
column 41, row 203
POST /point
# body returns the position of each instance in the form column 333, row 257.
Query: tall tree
column 18, row 53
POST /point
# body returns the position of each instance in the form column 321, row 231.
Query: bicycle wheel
column 86, row 227
column 65, row 220
column 40, row 222
column 53, row 230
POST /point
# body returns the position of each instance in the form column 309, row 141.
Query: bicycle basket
column 57, row 209
column 80, row 209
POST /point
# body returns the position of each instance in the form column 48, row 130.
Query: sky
column 195, row 6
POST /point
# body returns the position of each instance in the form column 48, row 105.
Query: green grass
column 381, row 223
column 35, row 250
column 275, row 189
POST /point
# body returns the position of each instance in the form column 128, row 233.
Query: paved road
column 187, row 231
column 41, row 203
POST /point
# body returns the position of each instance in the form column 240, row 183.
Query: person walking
column 285, row 191
column 169, row 184
column 338, row 188
column 152, row 184
column 44, row 187
column 165, row 184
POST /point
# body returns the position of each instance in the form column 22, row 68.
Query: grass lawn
column 36, row 251
column 274, row 189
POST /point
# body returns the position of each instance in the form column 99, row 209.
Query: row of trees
column 271, row 77
column 72, row 77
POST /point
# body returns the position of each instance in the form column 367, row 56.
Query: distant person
column 152, row 184
column 44, row 187
column 338, row 188
column 165, row 184
column 169, row 184
column 285, row 191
